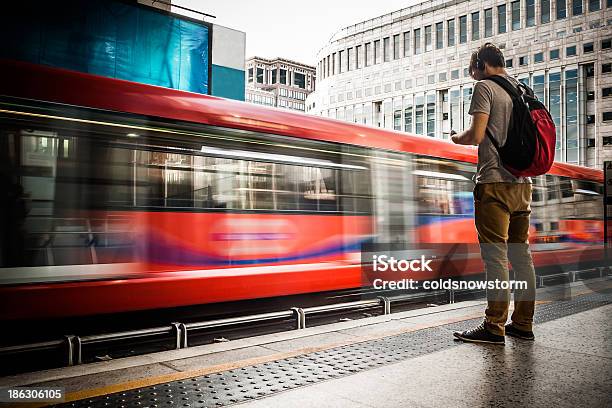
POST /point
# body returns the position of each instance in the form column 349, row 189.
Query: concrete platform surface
column 399, row 360
column 569, row 365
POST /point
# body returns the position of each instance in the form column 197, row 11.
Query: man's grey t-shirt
column 492, row 99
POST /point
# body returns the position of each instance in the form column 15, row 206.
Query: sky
column 292, row 29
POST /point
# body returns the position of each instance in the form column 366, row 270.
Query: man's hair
column 487, row 53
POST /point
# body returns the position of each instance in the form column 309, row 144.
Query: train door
column 392, row 189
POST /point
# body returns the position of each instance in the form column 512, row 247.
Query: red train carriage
column 124, row 196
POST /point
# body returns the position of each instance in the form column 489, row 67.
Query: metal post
column 78, row 350
column 300, row 317
column 70, row 349
column 179, row 334
column 386, row 304
column 451, row 295
column 183, row 330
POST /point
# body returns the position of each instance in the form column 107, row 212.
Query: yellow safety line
column 161, row 379
column 164, row 378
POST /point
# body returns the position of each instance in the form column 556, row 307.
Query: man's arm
column 476, row 133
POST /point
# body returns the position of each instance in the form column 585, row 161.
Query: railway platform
column 406, row 359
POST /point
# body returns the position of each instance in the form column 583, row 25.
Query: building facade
column 279, row 82
column 407, row 70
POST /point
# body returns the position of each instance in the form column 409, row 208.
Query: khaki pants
column 502, row 220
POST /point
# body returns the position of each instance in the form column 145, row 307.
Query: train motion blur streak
column 125, row 196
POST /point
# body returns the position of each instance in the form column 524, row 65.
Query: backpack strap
column 505, row 84
column 511, row 90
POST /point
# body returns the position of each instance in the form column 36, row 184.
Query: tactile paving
column 261, row 380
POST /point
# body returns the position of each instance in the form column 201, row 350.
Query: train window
column 587, row 199
column 565, row 185
column 537, row 194
column 552, row 185
column 444, row 187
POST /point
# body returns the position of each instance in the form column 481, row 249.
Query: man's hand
column 476, row 132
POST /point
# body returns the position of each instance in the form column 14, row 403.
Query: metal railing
column 73, row 345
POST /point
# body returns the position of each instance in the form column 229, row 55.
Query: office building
column 279, row 82
column 407, row 70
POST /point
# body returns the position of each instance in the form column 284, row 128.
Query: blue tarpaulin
column 110, row 38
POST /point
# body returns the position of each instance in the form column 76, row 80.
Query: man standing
column 501, row 202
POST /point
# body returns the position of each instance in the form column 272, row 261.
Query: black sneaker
column 519, row 334
column 480, row 335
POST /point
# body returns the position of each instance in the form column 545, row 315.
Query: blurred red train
column 124, row 196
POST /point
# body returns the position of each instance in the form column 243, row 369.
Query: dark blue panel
column 110, row 38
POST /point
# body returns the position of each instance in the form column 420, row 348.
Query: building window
column 607, row 140
column 467, row 100
column 368, row 54
column 431, row 115
column 340, row 61
column 274, row 74
column 408, row 119
column 524, row 60
column 590, row 95
column 576, row 7
column 606, row 44
column 350, row 59
column 606, row 68
column 515, row 8
column 333, row 64
column 570, row 51
column 417, row 41
column 554, row 54
column 588, row 47
column 396, row 46
column 529, row 13
column 501, row 19
column 590, row 119
column 455, row 110
column 539, row 57
column 594, row 5
column 299, row 80
column 406, row 43
column 358, row 57
column 554, row 105
column 488, row 13
column 475, row 26
column 427, row 38
column 606, row 92
column 607, row 116
column 386, row 54
column 561, row 9
column 571, row 115
column 431, row 79
column 250, row 74
column 544, row 11
column 418, row 114
column 509, row 62
column 538, row 87
column 455, row 74
column 283, row 76
column 439, row 35
column 397, row 119
column 450, row 34
column 589, row 70
column 442, row 77
column 260, row 76
column 377, row 52
column 462, row 29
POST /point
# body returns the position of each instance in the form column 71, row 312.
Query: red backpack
column 530, row 143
